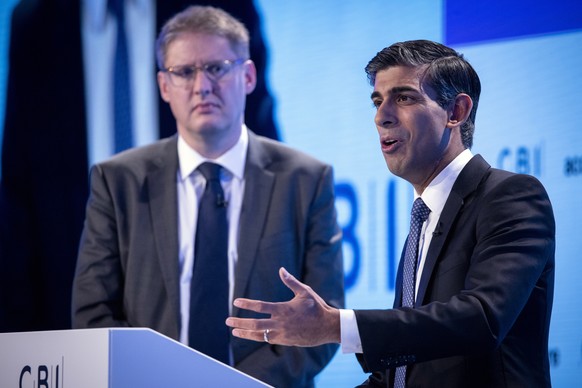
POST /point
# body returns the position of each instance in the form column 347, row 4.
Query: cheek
column 431, row 125
column 235, row 97
column 180, row 105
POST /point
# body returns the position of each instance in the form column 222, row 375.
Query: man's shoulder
column 498, row 176
column 495, row 179
column 144, row 157
column 146, row 152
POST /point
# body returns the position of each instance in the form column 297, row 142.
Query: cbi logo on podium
column 42, row 376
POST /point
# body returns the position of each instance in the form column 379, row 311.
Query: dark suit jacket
column 44, row 184
column 483, row 307
column 128, row 275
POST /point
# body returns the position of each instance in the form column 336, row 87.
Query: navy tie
column 122, row 114
column 419, row 214
column 207, row 331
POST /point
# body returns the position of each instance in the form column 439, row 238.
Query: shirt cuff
column 350, row 336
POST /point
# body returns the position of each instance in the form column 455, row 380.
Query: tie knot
column 210, row 171
column 419, row 210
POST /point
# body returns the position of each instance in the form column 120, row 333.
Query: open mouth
column 389, row 144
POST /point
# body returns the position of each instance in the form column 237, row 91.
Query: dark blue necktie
column 207, row 331
column 122, row 115
column 419, row 214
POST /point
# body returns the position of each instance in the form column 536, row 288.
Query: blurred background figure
column 59, row 121
column 176, row 229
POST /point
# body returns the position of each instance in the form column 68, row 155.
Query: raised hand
column 305, row 320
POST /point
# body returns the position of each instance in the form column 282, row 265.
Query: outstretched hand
column 305, row 320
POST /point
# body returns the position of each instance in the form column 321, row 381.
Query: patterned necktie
column 419, row 214
column 207, row 331
column 122, row 114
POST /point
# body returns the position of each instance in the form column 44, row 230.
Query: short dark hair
column 205, row 20
column 447, row 72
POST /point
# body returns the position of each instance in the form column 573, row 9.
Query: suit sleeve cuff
column 350, row 336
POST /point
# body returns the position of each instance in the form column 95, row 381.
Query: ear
column 164, row 86
column 250, row 76
column 460, row 110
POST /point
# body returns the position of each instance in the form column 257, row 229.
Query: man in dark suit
column 44, row 182
column 138, row 257
column 481, row 294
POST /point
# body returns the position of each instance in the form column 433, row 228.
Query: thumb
column 291, row 282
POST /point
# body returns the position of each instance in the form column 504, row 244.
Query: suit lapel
column 258, row 187
column 163, row 201
column 466, row 183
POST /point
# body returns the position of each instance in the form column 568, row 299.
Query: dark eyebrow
column 395, row 90
column 375, row 94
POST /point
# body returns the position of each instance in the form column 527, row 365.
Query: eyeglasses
column 183, row 76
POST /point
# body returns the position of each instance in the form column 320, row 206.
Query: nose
column 202, row 84
column 385, row 116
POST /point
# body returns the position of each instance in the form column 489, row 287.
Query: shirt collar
column 438, row 190
column 232, row 160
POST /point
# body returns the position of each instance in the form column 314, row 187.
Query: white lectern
column 109, row 358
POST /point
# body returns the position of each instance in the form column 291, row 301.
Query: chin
column 391, row 165
column 207, row 127
column 395, row 169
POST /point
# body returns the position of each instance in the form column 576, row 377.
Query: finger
column 259, row 335
column 253, row 335
column 291, row 282
column 249, row 323
column 257, row 306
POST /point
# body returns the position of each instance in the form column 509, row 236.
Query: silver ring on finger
column 266, row 335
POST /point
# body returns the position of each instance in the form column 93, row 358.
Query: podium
column 110, row 358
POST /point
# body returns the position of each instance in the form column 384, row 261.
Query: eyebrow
column 394, row 90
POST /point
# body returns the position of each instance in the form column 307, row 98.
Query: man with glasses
column 42, row 213
column 176, row 230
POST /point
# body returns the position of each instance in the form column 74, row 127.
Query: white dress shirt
column 98, row 31
column 434, row 196
column 191, row 185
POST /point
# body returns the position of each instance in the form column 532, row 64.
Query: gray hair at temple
column 447, row 73
column 204, row 20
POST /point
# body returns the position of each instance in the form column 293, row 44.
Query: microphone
column 437, row 230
